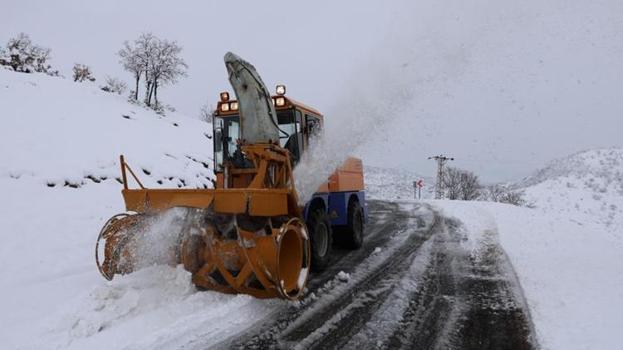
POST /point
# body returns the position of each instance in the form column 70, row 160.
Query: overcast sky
column 500, row 85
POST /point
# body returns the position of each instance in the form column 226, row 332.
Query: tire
column 321, row 238
column 353, row 232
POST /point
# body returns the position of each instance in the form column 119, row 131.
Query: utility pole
column 441, row 161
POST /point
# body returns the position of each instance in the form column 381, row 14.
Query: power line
column 441, row 161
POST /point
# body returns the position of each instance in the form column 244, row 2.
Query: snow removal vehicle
column 249, row 234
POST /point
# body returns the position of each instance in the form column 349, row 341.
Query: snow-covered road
column 422, row 286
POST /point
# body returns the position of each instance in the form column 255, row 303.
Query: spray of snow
column 158, row 244
column 367, row 106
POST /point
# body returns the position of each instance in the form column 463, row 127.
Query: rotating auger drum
column 248, row 240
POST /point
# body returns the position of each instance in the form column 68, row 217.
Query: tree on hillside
column 82, row 72
column 132, row 62
column 166, row 67
column 157, row 60
column 21, row 55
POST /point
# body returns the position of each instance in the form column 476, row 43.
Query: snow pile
column 586, row 188
column 62, row 133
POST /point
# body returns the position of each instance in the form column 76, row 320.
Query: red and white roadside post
column 417, row 189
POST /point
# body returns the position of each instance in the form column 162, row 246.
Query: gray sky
column 501, row 86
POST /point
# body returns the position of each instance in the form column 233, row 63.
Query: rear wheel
column 321, row 239
column 353, row 233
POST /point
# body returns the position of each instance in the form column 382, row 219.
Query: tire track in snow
column 472, row 300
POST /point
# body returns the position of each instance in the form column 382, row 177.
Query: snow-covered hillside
column 586, row 188
column 60, row 133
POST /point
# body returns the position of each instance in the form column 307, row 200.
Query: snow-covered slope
column 59, row 133
column 586, row 188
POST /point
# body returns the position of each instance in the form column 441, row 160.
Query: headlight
column 281, row 90
column 280, row 101
column 224, row 96
column 224, row 107
column 233, row 106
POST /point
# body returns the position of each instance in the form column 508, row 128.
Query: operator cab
column 297, row 122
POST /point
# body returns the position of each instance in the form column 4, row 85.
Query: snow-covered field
column 59, row 144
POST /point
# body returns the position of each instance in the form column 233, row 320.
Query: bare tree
column 22, row 55
column 131, row 60
column 82, row 72
column 461, row 184
column 470, row 186
column 166, row 66
column 146, row 47
column 157, row 60
column 452, row 183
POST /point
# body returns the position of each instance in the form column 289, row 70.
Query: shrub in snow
column 82, row 72
column 21, row 55
column 503, row 194
column 115, row 86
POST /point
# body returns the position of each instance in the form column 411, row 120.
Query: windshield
column 288, row 127
column 227, row 132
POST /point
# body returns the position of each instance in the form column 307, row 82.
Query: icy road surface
column 414, row 284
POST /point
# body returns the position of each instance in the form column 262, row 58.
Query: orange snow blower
column 249, row 234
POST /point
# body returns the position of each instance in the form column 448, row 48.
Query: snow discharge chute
column 245, row 236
